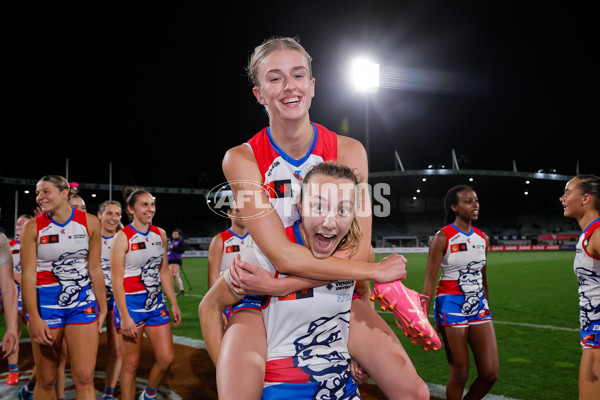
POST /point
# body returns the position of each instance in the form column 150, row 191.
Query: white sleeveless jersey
column 105, row 261
column 15, row 250
column 463, row 260
column 587, row 270
column 282, row 175
column 143, row 260
column 307, row 331
column 62, row 257
column 232, row 245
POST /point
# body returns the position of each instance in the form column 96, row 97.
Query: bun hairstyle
column 589, row 184
column 336, row 170
column 130, row 196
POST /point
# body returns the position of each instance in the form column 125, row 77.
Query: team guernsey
column 460, row 299
column 64, row 291
column 232, row 245
column 141, row 281
column 105, row 261
column 282, row 175
column 587, row 270
column 15, row 250
column 307, row 339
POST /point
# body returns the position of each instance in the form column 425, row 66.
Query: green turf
column 537, row 288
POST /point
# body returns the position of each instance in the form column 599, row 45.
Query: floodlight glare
column 365, row 75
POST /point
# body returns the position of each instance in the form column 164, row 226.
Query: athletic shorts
column 177, row 261
column 449, row 311
column 19, row 299
column 590, row 337
column 110, row 303
column 307, row 391
column 59, row 317
column 159, row 315
column 249, row 302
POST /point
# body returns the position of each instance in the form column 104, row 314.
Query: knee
column 459, row 374
column 420, row 391
column 490, row 376
column 164, row 363
column 130, row 366
column 83, row 377
column 46, row 381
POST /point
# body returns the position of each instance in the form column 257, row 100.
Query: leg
column 82, row 346
column 114, row 361
column 176, row 276
column 46, row 366
column 130, row 351
column 482, row 339
column 162, row 343
column 62, row 365
column 457, row 353
column 374, row 345
column 242, row 357
column 589, row 374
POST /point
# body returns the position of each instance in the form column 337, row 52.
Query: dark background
column 159, row 90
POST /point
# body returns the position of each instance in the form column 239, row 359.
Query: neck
column 462, row 224
column 139, row 226
column 294, row 137
column 62, row 213
column 587, row 219
column 238, row 230
column 107, row 233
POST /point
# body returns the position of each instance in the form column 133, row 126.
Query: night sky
column 160, row 91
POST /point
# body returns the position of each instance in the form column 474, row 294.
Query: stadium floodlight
column 365, row 75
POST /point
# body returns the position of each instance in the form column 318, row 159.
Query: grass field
column 533, row 298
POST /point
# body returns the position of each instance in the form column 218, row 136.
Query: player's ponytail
column 589, row 184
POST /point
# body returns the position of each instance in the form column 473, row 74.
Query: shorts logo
column 49, row 239
column 90, row 310
column 455, row 248
column 164, row 313
column 232, row 249
column 138, row 246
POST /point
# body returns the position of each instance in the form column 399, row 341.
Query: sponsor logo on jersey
column 49, row 239
column 455, row 248
column 297, row 175
column 301, row 294
column 138, row 246
column 232, row 249
column 278, row 189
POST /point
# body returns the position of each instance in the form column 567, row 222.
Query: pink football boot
column 411, row 316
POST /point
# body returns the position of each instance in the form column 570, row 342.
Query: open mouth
column 292, row 100
column 325, row 243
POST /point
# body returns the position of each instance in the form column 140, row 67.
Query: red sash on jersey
column 133, row 284
column 45, row 278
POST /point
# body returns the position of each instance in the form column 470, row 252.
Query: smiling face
column 143, row 209
column 110, row 218
column 328, row 208
column 467, row 206
column 285, row 87
column 49, row 197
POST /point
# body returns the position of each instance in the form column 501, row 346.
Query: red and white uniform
column 142, row 265
column 232, row 245
column 282, row 175
column 62, row 262
column 587, row 270
column 307, row 332
column 15, row 249
column 105, row 262
column 463, row 260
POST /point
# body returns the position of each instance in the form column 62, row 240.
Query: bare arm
column 210, row 311
column 166, row 280
column 9, row 298
column 95, row 267
column 434, row 259
column 118, row 251
column 240, row 169
column 215, row 257
column 38, row 329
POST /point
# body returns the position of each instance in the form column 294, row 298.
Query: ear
column 258, row 94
